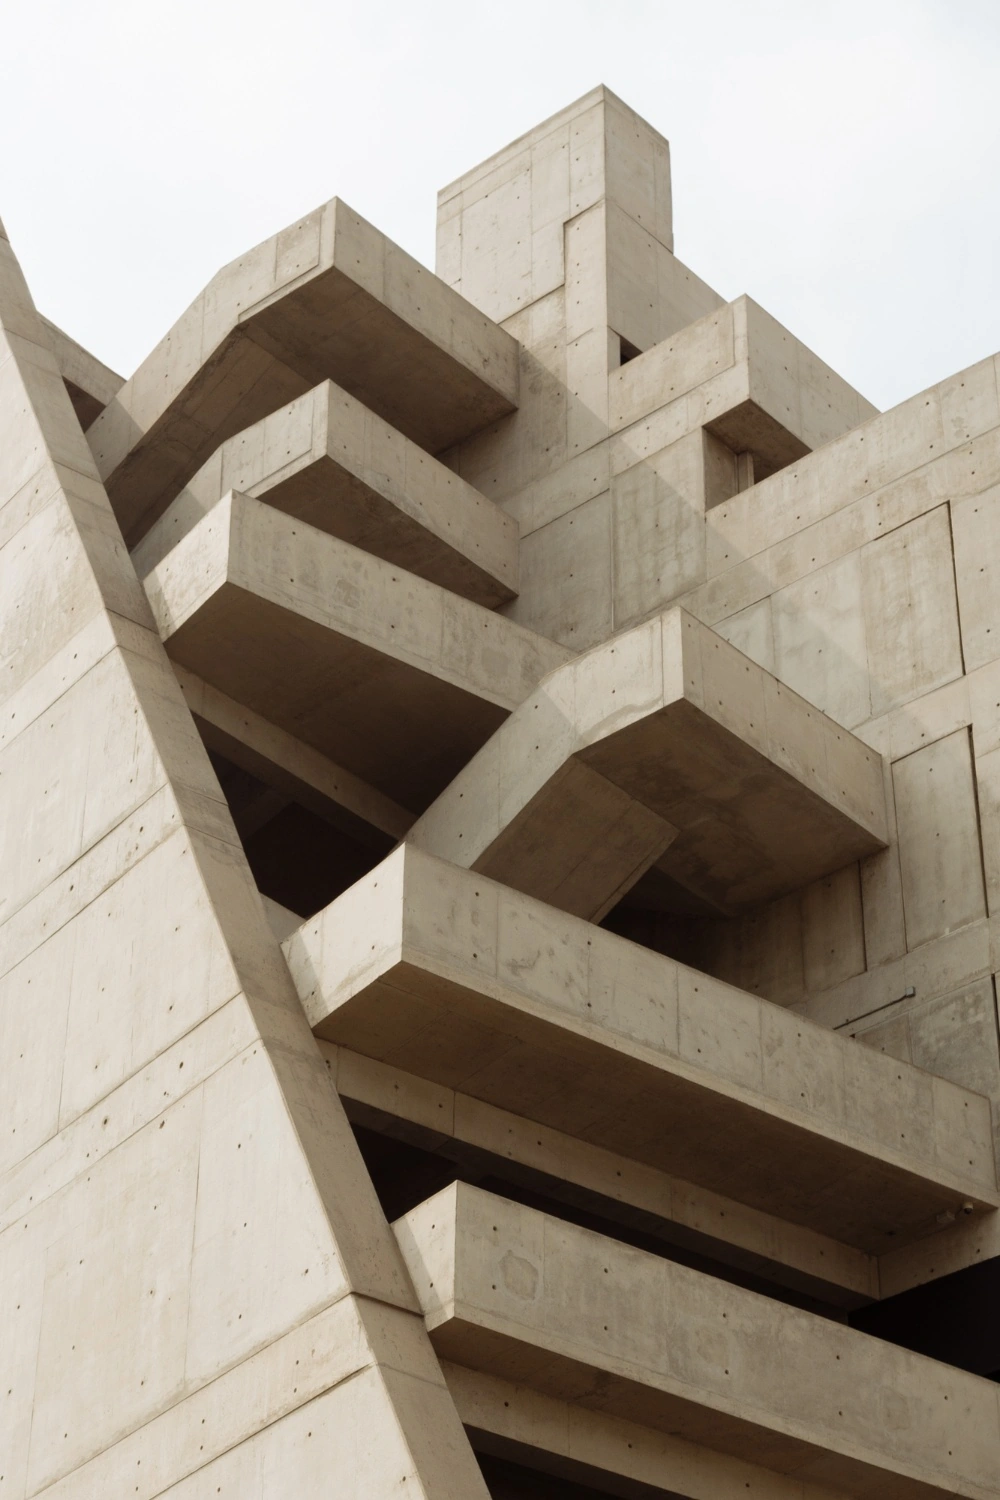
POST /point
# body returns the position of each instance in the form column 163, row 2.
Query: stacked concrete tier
column 499, row 884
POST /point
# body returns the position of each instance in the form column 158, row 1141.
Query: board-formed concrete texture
column 508, row 755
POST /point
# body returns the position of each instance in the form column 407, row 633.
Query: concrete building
column 500, row 847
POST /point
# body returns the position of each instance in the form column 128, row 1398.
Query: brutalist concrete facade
column 500, row 838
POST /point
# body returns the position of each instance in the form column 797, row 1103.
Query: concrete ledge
column 745, row 378
column 610, row 1454
column 331, row 462
column 473, row 986
column 395, row 679
column 328, row 298
column 582, row 1318
column 664, row 745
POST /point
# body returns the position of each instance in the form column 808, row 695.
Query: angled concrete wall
column 182, row 1201
column 667, row 1035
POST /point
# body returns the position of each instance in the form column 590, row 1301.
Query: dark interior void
column 87, row 407
column 406, row 1172
column 955, row 1319
column 659, row 914
column 759, row 948
column 516, row 1472
column 627, row 351
column 510, row 1481
column 298, row 858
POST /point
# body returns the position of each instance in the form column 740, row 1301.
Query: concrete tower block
column 583, row 200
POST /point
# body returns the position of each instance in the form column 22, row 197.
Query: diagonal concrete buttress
column 199, row 1293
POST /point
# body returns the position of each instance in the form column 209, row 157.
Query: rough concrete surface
column 499, row 879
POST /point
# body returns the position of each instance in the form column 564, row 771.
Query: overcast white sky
column 838, row 161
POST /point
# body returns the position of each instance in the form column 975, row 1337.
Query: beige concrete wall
column 859, row 575
column 844, row 575
column 198, row 1289
column 180, row 1193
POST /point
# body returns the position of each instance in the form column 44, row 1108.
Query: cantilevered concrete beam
column 577, row 1316
column 328, row 298
column 664, row 744
column 476, row 987
column 328, row 460
column 397, row 680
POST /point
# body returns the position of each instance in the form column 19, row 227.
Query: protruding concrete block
column 579, row 1317
column 331, row 462
column 475, row 987
column 340, row 649
column 747, row 380
column 665, row 745
column 327, row 298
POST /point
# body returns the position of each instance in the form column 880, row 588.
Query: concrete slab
column 665, row 745
column 476, row 987
column 589, row 1178
column 341, row 649
column 576, row 1316
column 327, row 298
column 328, row 460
